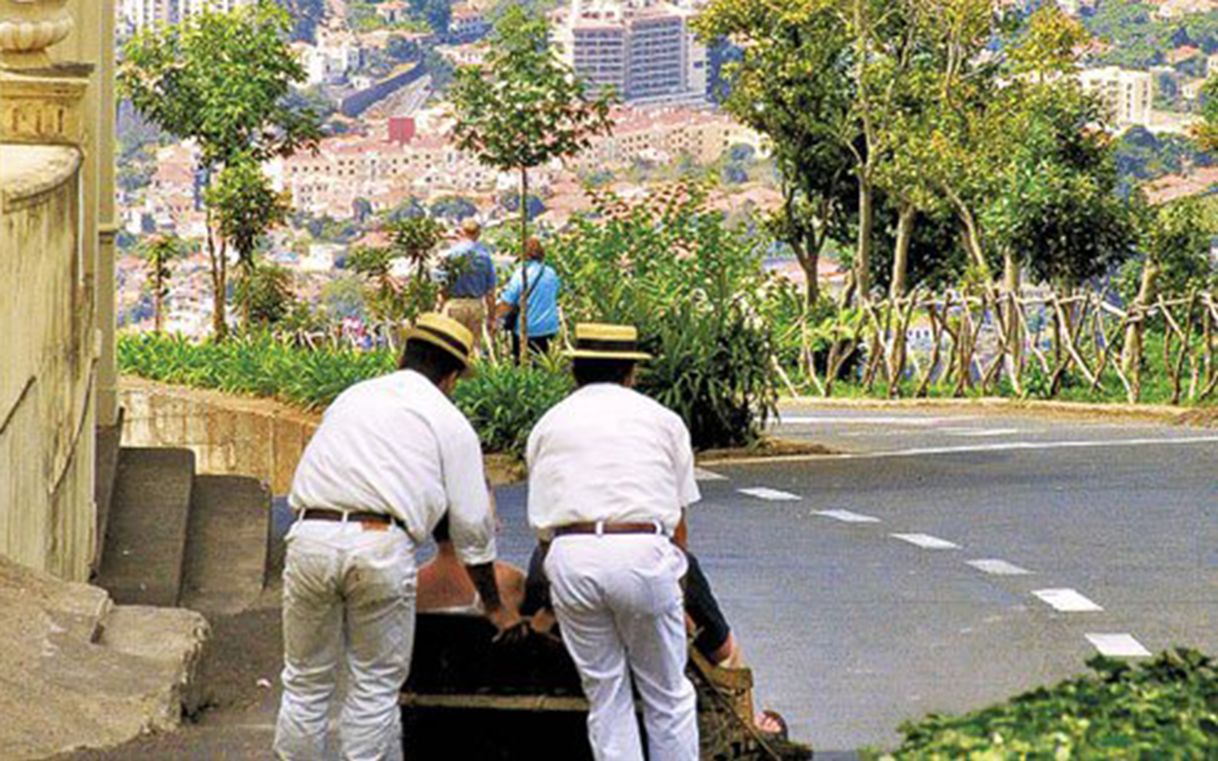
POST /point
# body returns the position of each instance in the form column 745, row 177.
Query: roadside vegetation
column 1166, row 707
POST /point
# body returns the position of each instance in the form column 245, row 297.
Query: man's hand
column 512, row 628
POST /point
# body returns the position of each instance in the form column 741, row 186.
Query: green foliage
column 390, row 299
column 1141, row 155
column 246, row 205
column 265, row 293
column 696, row 291
column 221, row 79
column 791, row 83
column 523, row 108
column 1057, row 207
column 1163, row 708
column 1176, row 243
column 1138, row 39
column 505, row 401
column 254, row 364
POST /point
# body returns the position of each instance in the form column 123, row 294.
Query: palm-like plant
column 159, row 252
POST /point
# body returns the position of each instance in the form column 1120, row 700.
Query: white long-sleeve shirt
column 608, row 453
column 396, row 445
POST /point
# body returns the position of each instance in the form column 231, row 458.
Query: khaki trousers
column 469, row 312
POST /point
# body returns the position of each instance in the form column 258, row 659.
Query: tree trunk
column 862, row 262
column 1132, row 355
column 900, row 260
column 158, row 288
column 809, row 262
column 219, row 284
column 247, row 307
column 1010, row 271
column 522, row 324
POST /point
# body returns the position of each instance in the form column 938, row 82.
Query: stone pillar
column 28, row 28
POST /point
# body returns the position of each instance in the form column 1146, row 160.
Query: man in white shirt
column 391, row 457
column 610, row 475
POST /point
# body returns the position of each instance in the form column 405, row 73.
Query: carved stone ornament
column 28, row 28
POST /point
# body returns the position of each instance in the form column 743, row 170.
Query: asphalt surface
column 852, row 631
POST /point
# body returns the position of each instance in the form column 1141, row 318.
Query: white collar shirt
column 608, row 453
column 396, row 445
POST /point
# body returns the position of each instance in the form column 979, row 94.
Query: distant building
column 187, row 8
column 393, row 12
column 467, row 24
column 1128, row 95
column 142, row 14
column 659, row 136
column 335, row 55
column 645, row 50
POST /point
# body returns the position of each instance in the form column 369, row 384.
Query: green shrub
column 1164, row 708
column 696, row 289
column 504, row 402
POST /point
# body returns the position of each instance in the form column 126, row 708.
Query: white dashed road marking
column 701, row 474
column 1118, row 645
column 983, row 432
column 927, row 542
column 846, row 516
column 1066, row 600
column 998, row 567
column 773, row 495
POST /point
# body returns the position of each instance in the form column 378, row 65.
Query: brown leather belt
column 604, row 527
column 338, row 516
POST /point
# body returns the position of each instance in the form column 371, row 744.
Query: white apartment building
column 644, row 49
column 187, row 8
column 142, row 14
column 1127, row 94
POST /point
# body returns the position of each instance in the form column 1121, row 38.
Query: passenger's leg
column 312, row 627
column 379, row 582
column 592, row 640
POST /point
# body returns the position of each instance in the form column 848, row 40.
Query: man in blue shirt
column 469, row 277
column 543, row 289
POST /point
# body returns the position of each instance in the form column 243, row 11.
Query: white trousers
column 348, row 597
column 618, row 600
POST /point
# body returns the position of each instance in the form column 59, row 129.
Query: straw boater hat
column 594, row 340
column 446, row 333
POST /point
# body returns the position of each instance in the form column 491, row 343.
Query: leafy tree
column 245, row 207
column 265, row 292
column 159, row 252
column 523, row 109
column 789, row 82
column 221, row 80
column 1175, row 245
column 389, row 300
column 1206, row 132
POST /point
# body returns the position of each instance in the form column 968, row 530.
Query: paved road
column 852, row 630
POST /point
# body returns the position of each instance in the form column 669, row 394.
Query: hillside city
column 378, row 71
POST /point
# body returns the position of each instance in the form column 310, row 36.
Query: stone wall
column 47, row 514
column 228, row 434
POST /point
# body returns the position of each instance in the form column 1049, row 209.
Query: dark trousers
column 537, row 345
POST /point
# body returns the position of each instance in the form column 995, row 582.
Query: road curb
column 1155, row 413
